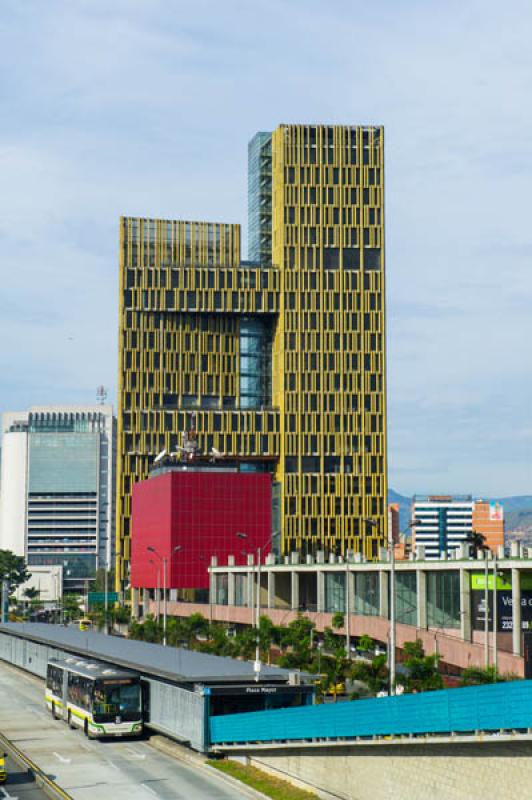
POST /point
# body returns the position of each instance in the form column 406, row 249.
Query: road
column 20, row 784
column 107, row 770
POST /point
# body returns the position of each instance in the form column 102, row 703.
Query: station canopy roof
column 176, row 664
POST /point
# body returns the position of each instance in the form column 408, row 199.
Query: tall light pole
column 391, row 648
column 393, row 616
column 158, row 588
column 486, row 613
column 495, row 617
column 347, row 618
column 257, row 609
column 164, row 561
column 203, row 557
column 106, row 599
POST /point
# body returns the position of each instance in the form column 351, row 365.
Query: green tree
column 152, row 630
column 374, row 674
column 13, row 569
column 218, row 643
column 297, row 642
column 333, row 661
column 337, row 620
column 71, row 609
column 474, row 676
column 421, row 671
column 121, row 614
column 366, row 644
column 267, row 635
column 245, row 643
column 477, row 543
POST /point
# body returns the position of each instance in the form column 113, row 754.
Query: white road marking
column 134, row 754
column 151, row 791
column 7, row 795
column 61, row 758
column 113, row 765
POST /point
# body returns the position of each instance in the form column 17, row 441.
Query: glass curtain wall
column 255, row 363
column 260, row 198
column 443, row 599
column 240, row 589
column 367, row 594
column 334, row 592
column 406, row 597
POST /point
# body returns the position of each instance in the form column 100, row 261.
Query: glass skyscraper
column 58, row 489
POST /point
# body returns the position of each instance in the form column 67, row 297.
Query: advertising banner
column 504, row 602
column 496, row 512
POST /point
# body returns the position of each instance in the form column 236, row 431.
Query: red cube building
column 201, row 511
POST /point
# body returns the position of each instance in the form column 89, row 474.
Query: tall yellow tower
column 329, row 349
column 279, row 360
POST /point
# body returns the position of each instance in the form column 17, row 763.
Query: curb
column 177, row 751
column 42, row 780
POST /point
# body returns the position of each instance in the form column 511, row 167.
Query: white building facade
column 57, row 478
column 441, row 523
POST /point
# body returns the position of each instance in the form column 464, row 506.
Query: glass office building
column 65, row 496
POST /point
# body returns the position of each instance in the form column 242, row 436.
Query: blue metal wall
column 492, row 707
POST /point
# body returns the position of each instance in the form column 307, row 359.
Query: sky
column 145, row 107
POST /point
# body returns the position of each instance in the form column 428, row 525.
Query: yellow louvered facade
column 187, row 303
column 329, row 377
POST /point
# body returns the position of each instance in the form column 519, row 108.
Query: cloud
column 146, row 108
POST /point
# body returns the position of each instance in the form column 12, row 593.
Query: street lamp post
column 347, row 601
column 495, row 617
column 392, row 639
column 393, row 616
column 203, row 557
column 158, row 589
column 257, row 607
column 164, row 561
column 486, row 614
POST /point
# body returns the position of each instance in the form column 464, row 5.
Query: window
column 331, row 257
column 80, row 691
column 372, row 258
column 54, row 680
column 351, row 257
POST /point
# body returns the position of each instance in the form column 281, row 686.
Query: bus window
column 54, row 679
column 117, row 698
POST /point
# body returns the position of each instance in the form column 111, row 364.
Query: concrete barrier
column 449, row 771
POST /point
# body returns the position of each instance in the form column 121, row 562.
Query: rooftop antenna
column 190, row 441
column 101, row 395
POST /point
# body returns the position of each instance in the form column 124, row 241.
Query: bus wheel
column 86, row 729
column 54, row 712
column 70, row 725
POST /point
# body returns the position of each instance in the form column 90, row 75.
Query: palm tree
column 477, row 543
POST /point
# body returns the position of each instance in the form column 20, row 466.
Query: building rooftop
column 176, row 664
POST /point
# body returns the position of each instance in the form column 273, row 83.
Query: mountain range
column 517, row 510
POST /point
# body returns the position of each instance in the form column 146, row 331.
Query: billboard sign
column 496, row 512
column 504, row 602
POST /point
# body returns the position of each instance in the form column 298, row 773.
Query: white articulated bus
column 101, row 699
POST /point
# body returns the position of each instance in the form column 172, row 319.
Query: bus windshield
column 117, row 698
